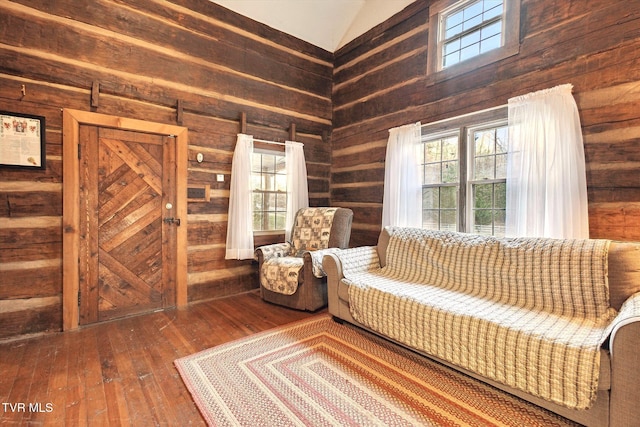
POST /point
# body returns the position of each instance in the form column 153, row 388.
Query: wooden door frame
column 71, row 122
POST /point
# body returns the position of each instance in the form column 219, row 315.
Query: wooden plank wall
column 146, row 55
column 380, row 83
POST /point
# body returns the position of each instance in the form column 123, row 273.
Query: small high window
column 467, row 34
column 470, row 30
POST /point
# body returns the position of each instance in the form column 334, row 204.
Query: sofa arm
column 625, row 360
column 628, row 316
column 266, row 252
column 332, row 268
column 346, row 261
column 350, row 261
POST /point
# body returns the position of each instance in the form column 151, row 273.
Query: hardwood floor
column 121, row 372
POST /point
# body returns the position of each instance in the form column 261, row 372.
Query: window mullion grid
column 442, row 40
column 470, row 30
column 493, row 208
column 268, row 210
column 439, row 208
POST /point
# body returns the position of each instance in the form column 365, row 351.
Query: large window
column 464, row 173
column 467, row 34
column 269, row 183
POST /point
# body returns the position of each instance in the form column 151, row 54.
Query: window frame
column 471, row 181
column 270, row 151
column 440, row 136
column 463, row 126
column 510, row 37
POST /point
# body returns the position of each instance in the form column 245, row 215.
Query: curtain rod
column 270, row 142
column 473, row 113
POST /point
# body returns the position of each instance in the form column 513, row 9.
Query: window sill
column 268, row 233
column 472, row 64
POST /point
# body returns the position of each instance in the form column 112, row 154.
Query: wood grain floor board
column 121, row 372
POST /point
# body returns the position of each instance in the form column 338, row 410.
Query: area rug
column 321, row 373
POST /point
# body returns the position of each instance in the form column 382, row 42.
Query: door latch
column 175, row 221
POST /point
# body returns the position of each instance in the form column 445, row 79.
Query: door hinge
column 79, row 151
column 79, row 294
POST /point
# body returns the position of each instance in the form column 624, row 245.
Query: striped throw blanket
column 529, row 313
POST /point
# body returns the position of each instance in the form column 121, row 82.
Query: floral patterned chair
column 291, row 273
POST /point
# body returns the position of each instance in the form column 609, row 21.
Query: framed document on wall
column 22, row 141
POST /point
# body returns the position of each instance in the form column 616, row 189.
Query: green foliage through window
column 488, row 183
column 269, row 183
column 469, row 198
column 440, row 165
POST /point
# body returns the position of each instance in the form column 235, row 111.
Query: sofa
column 553, row 321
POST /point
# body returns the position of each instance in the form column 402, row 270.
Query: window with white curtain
column 464, row 173
column 269, row 186
column 546, row 170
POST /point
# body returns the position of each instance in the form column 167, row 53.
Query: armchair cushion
column 281, row 274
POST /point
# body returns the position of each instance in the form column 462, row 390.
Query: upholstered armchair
column 291, row 273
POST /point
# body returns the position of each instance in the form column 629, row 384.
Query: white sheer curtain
column 546, row 177
column 240, row 220
column 297, row 189
column 402, row 203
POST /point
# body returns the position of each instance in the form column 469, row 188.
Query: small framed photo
column 22, row 141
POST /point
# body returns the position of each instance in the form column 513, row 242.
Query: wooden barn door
column 127, row 239
column 124, row 218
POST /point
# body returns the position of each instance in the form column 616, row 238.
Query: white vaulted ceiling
column 329, row 24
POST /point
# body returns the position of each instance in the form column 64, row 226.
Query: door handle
column 175, row 221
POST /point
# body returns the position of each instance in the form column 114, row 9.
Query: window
column 441, row 180
column 464, row 164
column 471, row 29
column 467, row 34
column 488, row 179
column 269, row 183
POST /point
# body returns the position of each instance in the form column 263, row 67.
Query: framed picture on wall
column 22, row 141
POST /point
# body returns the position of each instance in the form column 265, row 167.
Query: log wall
column 148, row 57
column 380, row 82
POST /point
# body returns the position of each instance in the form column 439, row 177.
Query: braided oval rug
column 317, row 372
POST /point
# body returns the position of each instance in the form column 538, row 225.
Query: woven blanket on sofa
column 529, row 313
